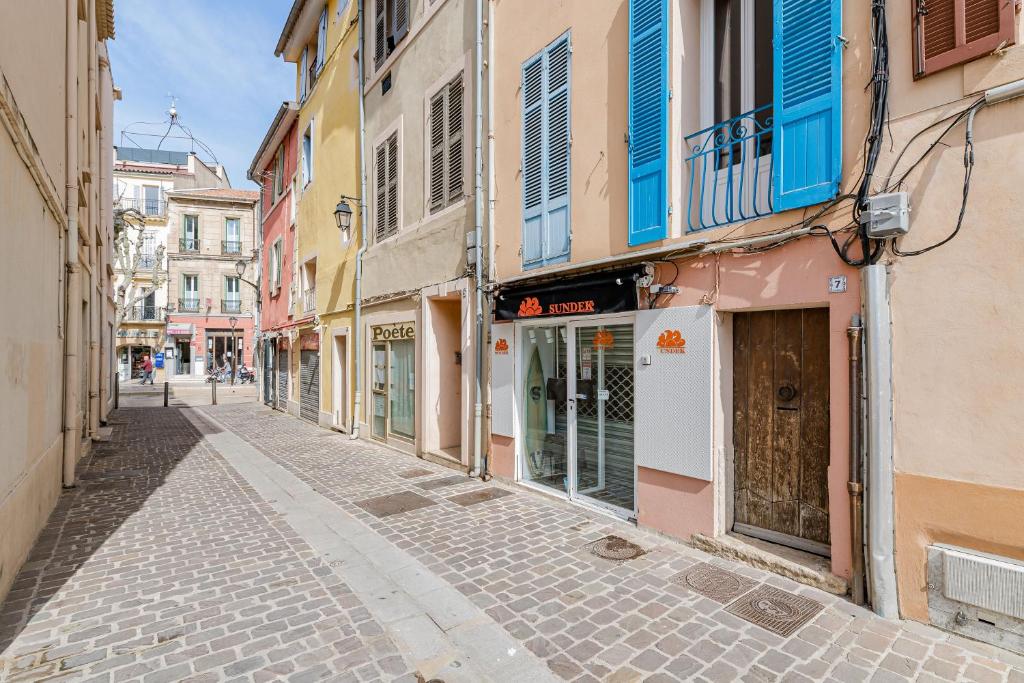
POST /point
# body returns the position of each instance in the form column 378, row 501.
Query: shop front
column 182, row 356
column 393, row 382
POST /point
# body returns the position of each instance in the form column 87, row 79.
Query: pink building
column 273, row 168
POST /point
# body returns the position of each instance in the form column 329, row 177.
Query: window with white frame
column 232, row 295
column 279, row 172
column 307, row 155
column 189, row 232
column 445, row 133
column 232, row 236
column 189, row 302
column 390, row 26
column 386, row 165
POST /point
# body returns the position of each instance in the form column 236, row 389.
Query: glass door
column 546, row 408
column 402, row 388
column 603, row 469
column 379, row 426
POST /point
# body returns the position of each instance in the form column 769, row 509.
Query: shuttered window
column 321, row 42
column 386, row 186
column 807, row 83
column 546, row 147
column 390, row 25
column 303, row 74
column 950, row 32
column 445, row 129
column 648, row 120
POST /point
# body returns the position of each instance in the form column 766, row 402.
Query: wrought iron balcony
column 230, row 247
column 730, row 170
column 188, row 305
column 309, row 300
column 188, row 244
column 144, row 313
column 147, row 207
column 146, row 261
column 230, row 306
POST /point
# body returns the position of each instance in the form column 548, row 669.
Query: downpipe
column 358, row 307
column 856, row 485
column 490, row 227
column 479, row 276
column 73, row 295
column 878, row 374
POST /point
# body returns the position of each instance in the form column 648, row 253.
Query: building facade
column 418, row 289
column 321, row 39
column 273, row 168
column 57, row 264
column 210, row 263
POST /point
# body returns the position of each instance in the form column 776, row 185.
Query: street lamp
column 343, row 217
column 234, row 347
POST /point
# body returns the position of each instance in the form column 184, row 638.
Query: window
column 307, row 155
column 304, row 75
column 232, row 302
column 321, row 43
column 279, row 172
column 274, row 266
column 147, row 259
column 391, row 24
column 189, row 233
column 152, row 205
column 950, row 32
column 386, row 170
column 189, row 302
column 445, row 132
column 545, row 93
column 232, row 236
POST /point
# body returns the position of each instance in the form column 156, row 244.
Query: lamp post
column 234, row 348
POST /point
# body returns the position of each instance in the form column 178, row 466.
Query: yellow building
column 321, row 39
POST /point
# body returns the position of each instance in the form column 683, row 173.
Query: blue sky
column 216, row 57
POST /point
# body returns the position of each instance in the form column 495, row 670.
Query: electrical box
column 887, row 215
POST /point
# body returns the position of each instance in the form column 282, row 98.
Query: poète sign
column 393, row 332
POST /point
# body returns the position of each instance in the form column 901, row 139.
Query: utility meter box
column 887, row 215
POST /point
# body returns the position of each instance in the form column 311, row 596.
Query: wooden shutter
column 950, row 32
column 648, row 120
column 437, row 151
column 401, row 20
column 303, row 74
column 807, row 70
column 321, row 41
column 392, row 184
column 546, row 148
column 380, row 228
column 455, row 138
column 379, row 34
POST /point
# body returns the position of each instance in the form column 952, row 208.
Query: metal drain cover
column 481, row 496
column 431, row 484
column 615, row 549
column 395, row 503
column 413, row 473
column 775, row 610
column 713, row 582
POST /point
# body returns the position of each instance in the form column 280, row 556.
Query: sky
column 216, row 57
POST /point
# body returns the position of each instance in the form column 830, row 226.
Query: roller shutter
column 309, row 385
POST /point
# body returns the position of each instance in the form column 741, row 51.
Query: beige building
column 56, row 267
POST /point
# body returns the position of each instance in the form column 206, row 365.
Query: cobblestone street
column 235, row 543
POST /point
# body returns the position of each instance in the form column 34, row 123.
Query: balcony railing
column 188, row 244
column 730, row 169
column 230, row 306
column 145, row 313
column 188, row 305
column 309, row 300
column 146, row 261
column 147, row 207
column 230, row 247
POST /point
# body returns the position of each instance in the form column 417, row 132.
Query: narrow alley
column 233, row 542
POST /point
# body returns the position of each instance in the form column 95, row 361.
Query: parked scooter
column 245, row 375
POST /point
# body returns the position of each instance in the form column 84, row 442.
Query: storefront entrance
column 576, row 408
column 393, row 382
column 183, row 357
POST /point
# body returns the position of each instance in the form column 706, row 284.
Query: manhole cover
column 713, row 582
column 431, row 484
column 395, row 503
column 615, row 549
column 775, row 610
column 481, row 496
column 413, row 473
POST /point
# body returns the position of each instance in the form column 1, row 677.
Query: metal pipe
column 72, row 282
column 856, row 485
column 878, row 373
column 479, row 275
column 95, row 302
column 490, row 227
column 357, row 316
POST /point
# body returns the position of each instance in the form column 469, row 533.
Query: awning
column 600, row 293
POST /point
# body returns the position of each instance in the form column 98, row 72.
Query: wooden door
column 781, row 426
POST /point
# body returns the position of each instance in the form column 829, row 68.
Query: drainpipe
column 106, row 164
column 95, row 301
column 856, row 484
column 878, row 371
column 357, row 406
column 490, row 210
column 478, row 196
column 73, row 295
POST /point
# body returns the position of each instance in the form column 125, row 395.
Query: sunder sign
column 595, row 293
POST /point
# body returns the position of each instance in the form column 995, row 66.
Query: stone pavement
column 233, row 542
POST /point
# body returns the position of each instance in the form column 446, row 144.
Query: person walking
column 147, row 370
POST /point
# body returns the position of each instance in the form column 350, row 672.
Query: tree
column 130, row 259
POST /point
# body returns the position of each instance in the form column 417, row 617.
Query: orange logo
column 603, row 339
column 501, row 346
column 671, row 341
column 530, row 307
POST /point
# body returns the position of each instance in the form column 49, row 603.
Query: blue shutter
column 806, row 147
column 546, row 154
column 648, row 120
